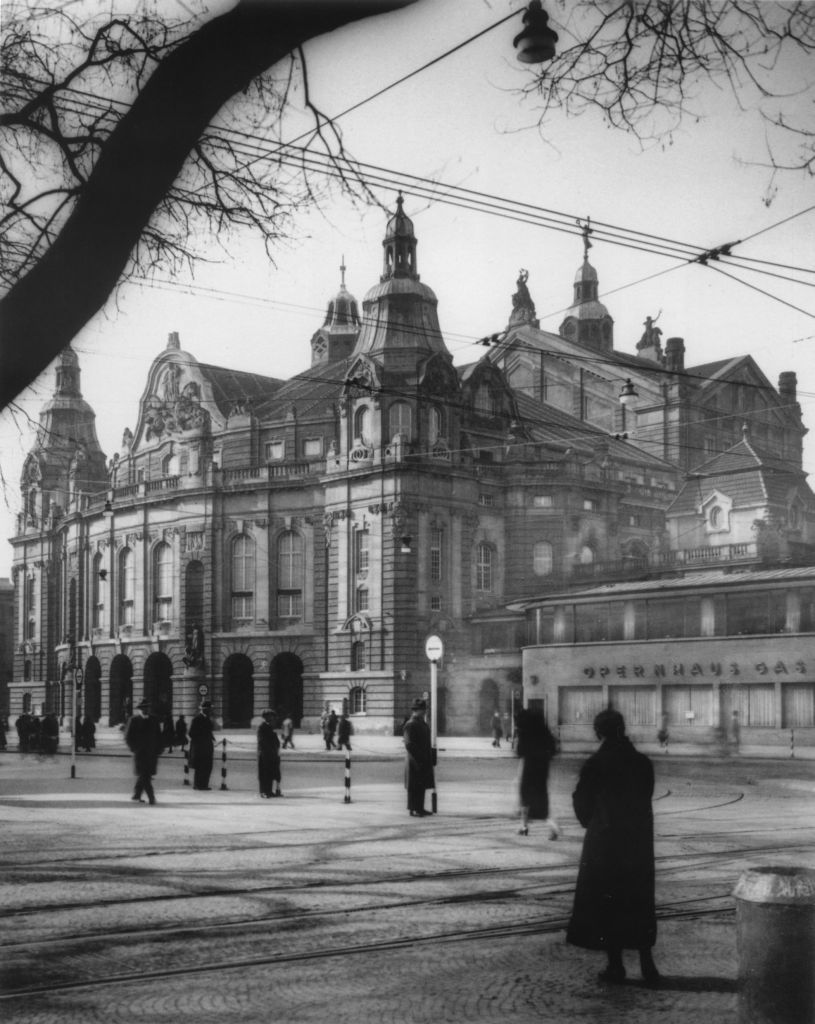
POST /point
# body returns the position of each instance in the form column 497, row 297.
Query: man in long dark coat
column 614, row 899
column 143, row 737
column 202, row 746
column 418, row 760
column 268, row 757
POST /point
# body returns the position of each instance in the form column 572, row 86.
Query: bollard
column 186, row 767
column 347, row 799
column 223, row 763
column 775, row 934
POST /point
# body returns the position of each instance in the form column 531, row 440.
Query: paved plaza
column 219, row 906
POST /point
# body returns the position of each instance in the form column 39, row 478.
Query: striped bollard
column 223, row 764
column 347, row 799
column 186, row 767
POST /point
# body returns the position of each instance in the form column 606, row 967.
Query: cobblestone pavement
column 223, row 907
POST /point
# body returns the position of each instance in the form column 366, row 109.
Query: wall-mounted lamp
column 107, row 511
column 628, row 393
column 102, row 574
column 406, row 541
column 536, row 41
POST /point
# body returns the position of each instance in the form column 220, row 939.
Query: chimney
column 787, row 385
column 675, row 354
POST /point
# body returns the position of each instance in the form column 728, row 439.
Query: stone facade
column 291, row 543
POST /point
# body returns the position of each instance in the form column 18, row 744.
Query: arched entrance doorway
column 239, row 691
column 92, row 702
column 286, row 686
column 158, row 684
column 120, row 689
column 487, row 706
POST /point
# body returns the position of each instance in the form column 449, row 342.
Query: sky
column 462, row 122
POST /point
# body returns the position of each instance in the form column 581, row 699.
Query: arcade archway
column 487, row 706
column 158, row 684
column 92, row 695
column 286, row 686
column 120, row 690
column 239, row 691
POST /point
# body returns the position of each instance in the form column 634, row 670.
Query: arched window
column 163, row 583
column 98, row 591
column 400, row 421
column 542, row 558
column 243, row 579
column 435, row 424
column 716, row 517
column 483, row 567
column 127, row 588
column 362, row 425
column 586, row 555
column 485, row 400
column 290, row 575
column 359, row 656
column 357, row 704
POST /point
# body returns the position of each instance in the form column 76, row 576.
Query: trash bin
column 775, row 933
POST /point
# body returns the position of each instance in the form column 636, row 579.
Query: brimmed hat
column 419, row 705
column 144, row 706
column 267, row 713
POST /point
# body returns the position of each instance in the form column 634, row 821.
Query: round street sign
column 433, row 648
column 203, row 690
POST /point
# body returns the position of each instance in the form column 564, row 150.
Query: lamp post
column 434, row 649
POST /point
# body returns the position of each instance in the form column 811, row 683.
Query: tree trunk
column 141, row 159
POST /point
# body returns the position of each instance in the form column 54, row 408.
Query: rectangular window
column 289, row 604
column 579, row 704
column 591, row 505
column 361, row 551
column 312, row 447
column 755, row 704
column 543, row 501
column 798, row 704
column 487, row 500
column 436, row 536
column 483, row 568
column 756, row 612
column 637, row 704
column 435, row 603
column 690, row 706
column 275, row 450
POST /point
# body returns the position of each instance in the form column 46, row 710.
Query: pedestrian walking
column 143, row 737
column 614, row 899
column 535, row 748
column 268, row 756
column 735, row 732
column 328, row 723
column 418, row 760
column 88, row 733
column 287, row 731
column 167, row 733
column 497, row 730
column 345, row 730
column 181, row 733
column 662, row 732
column 202, row 746
column 50, row 734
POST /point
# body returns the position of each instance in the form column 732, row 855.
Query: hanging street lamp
column 536, row 41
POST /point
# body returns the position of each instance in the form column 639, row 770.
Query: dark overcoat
column 614, row 898
column 202, row 742
column 143, row 737
column 268, row 757
column 418, row 762
column 536, row 748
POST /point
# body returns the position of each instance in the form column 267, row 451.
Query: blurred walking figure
column 418, row 760
column 202, row 746
column 268, row 756
column 50, row 734
column 181, row 733
column 328, row 722
column 662, row 734
column 143, row 737
column 735, row 733
column 497, row 730
column 614, row 898
column 345, row 730
column 168, row 733
column 88, row 734
column 536, row 748
column 287, row 732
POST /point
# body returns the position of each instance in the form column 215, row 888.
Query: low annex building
column 291, row 543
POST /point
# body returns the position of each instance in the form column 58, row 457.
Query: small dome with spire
column 343, row 312
column 338, row 335
column 587, row 321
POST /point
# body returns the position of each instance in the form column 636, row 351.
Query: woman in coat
column 268, row 757
column 614, row 898
column 536, row 748
column 418, row 760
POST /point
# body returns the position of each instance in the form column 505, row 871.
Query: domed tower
column 336, row 338
column 588, row 322
column 66, row 457
column 401, row 323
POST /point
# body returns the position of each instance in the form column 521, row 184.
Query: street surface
column 219, row 906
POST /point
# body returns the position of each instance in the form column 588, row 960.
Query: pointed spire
column 173, row 340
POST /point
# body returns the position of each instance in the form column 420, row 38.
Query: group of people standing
column 614, row 904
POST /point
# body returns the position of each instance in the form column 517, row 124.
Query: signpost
column 433, row 649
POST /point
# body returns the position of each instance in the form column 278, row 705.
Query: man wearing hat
column 268, row 756
column 419, row 759
column 202, row 746
column 143, row 737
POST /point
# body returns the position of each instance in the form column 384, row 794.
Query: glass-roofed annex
column 700, row 656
